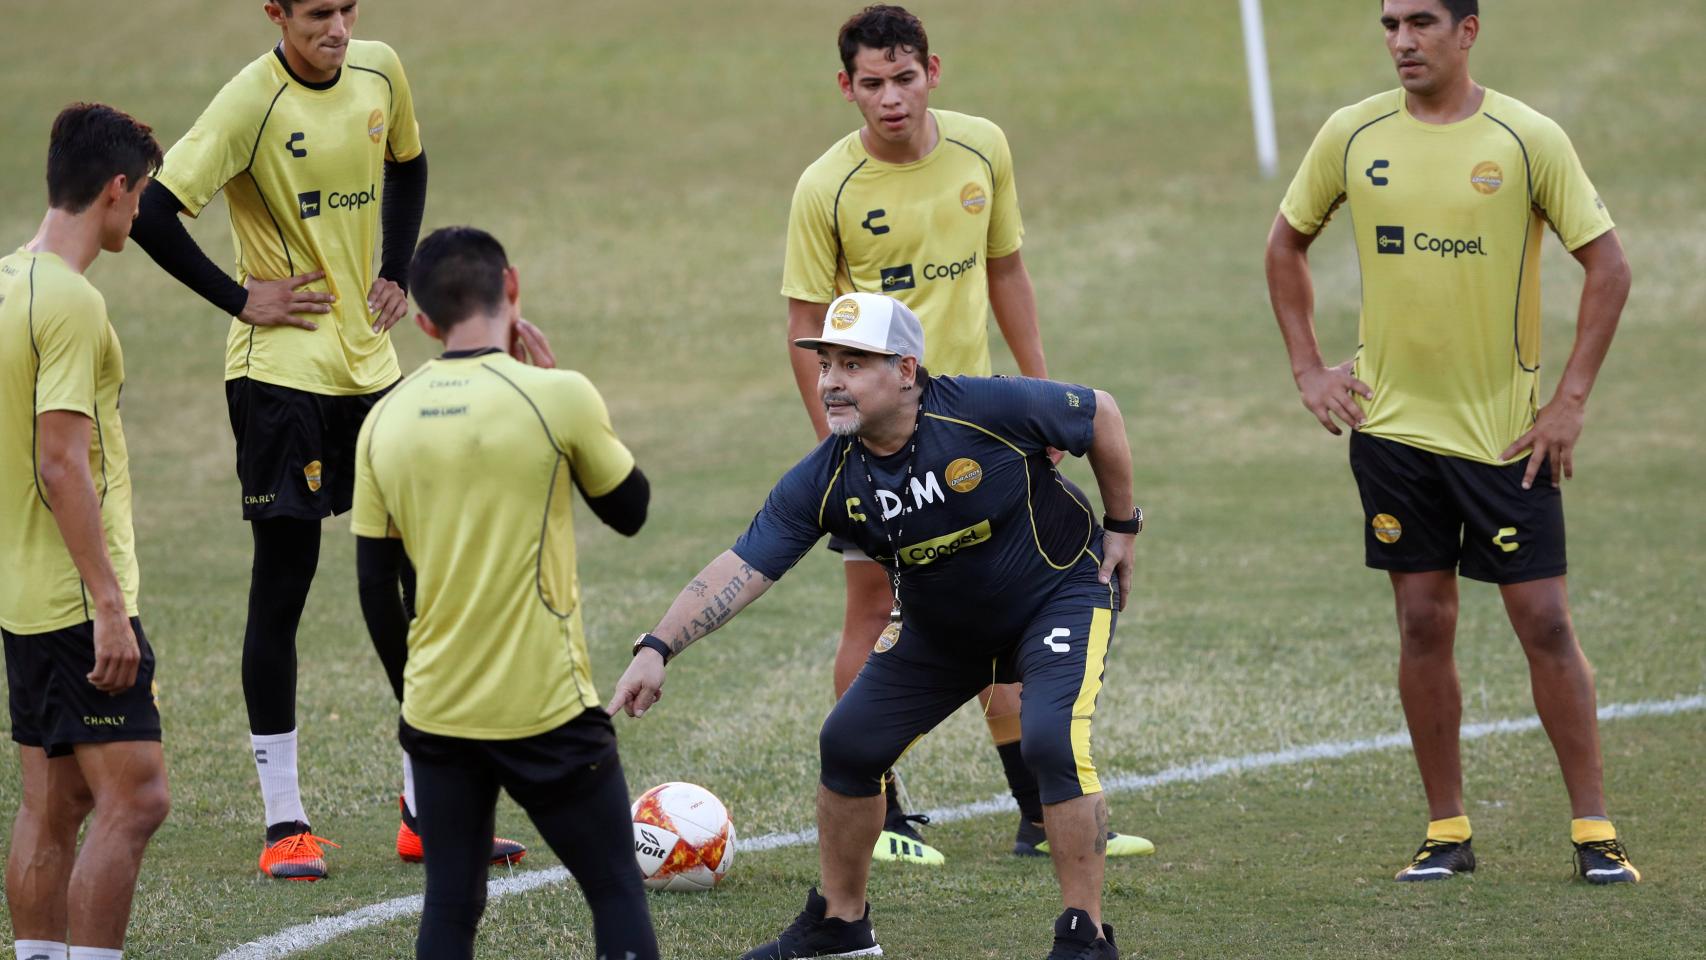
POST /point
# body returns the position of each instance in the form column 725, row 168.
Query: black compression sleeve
column 624, row 508
column 379, row 562
column 400, row 214
column 158, row 230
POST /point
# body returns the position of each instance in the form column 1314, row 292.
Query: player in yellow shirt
column 469, row 468
column 918, row 204
column 316, row 147
column 1450, row 189
column 79, row 671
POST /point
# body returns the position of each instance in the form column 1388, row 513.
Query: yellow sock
column 1589, row 829
column 1449, row 830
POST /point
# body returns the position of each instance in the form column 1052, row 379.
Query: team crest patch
column 311, row 473
column 963, row 475
column 1387, row 529
column 972, row 198
column 376, row 125
column 844, row 314
column 1487, row 177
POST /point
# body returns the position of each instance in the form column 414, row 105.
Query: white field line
column 318, row 932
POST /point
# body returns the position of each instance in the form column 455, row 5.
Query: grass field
column 638, row 161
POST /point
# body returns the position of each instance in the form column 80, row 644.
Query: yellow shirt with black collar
column 472, row 461
column 1448, row 219
column 922, row 232
column 302, row 166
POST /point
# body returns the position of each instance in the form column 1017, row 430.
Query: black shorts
column 904, row 691
column 1426, row 511
column 54, row 706
column 295, row 449
column 533, row 770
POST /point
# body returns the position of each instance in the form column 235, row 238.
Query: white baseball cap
column 870, row 322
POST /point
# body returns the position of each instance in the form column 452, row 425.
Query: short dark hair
column 91, row 143
column 456, row 273
column 1457, row 8
column 883, row 26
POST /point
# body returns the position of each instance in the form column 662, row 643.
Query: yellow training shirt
column 921, row 232
column 57, row 352
column 1448, row 221
column 471, row 462
column 303, row 170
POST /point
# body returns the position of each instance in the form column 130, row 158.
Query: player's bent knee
column 852, row 762
column 1060, row 776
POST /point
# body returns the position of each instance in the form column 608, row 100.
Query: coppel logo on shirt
column 308, row 204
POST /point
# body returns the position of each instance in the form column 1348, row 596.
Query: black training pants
column 569, row 781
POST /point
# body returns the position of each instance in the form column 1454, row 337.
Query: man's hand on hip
column 1553, row 437
column 1326, row 391
column 277, row 303
column 386, row 304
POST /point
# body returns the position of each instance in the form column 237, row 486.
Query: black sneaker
column 814, row 935
column 1075, row 938
column 1604, row 861
column 900, row 841
column 1439, row 860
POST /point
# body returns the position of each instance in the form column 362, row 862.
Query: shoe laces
column 1610, row 849
column 302, row 845
column 1428, row 847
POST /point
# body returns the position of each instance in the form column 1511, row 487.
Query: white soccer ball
column 683, row 838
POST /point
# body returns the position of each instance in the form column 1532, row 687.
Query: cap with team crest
column 870, row 322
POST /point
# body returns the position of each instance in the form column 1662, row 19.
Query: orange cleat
column 504, row 852
column 296, row 857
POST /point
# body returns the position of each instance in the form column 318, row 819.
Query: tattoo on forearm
column 719, row 606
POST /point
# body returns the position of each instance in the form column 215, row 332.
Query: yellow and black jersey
column 302, row 167
column 472, row 460
column 1449, row 220
column 922, row 232
column 57, row 352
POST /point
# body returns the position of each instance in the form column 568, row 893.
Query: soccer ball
column 682, row 837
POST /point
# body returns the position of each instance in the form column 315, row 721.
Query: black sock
column 1021, row 781
column 891, row 797
column 287, row 550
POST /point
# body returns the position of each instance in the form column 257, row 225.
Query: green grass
column 637, row 160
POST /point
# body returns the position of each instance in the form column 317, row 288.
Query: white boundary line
column 319, row 932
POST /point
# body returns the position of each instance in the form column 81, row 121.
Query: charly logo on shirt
column 963, row 475
column 1487, row 177
column 972, row 198
column 376, row 125
column 845, row 314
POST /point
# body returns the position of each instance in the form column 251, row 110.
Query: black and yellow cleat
column 900, row 843
column 1032, row 841
column 1605, row 861
column 1439, row 860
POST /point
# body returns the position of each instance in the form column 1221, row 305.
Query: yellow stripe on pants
column 1095, row 655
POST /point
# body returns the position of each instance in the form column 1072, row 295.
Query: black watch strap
column 1133, row 525
column 648, row 641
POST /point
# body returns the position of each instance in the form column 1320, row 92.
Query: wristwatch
column 1134, row 525
column 648, row 641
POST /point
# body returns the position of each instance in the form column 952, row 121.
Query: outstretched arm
column 1325, row 390
column 1558, row 424
column 721, row 590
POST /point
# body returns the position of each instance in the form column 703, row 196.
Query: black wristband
column 647, row 641
column 1133, row 525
